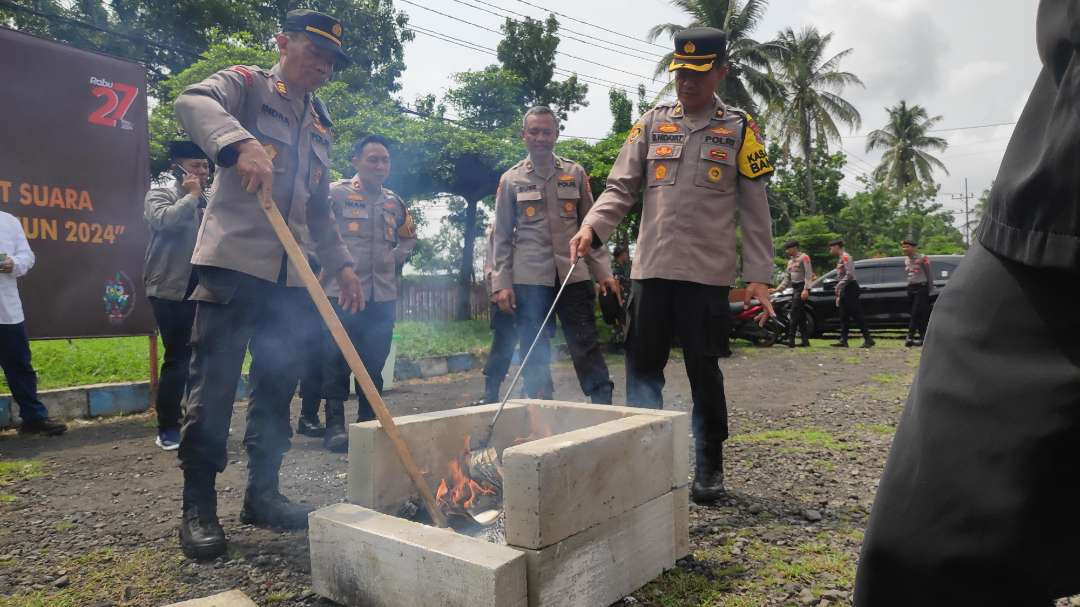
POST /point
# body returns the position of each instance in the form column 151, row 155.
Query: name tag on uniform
column 530, row 196
column 355, row 212
column 664, row 151
column 355, row 196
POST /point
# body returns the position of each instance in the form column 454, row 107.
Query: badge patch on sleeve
column 635, row 133
column 408, row 228
column 753, row 160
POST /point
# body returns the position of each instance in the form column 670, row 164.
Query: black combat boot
column 708, row 484
column 868, row 342
column 337, row 437
column 805, row 342
column 491, row 389
column 841, row 344
column 264, row 505
column 602, row 394
column 46, row 427
column 201, row 535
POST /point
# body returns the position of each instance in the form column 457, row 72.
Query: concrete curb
column 104, row 400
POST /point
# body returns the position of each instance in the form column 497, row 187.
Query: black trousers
column 311, row 378
column 919, row 298
column 851, row 308
column 699, row 316
column 798, row 312
column 174, row 321
column 371, row 331
column 977, row 505
column 576, row 314
column 503, row 341
column 235, row 310
column 21, row 377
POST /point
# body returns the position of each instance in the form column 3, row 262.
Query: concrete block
column 606, row 562
column 561, row 485
column 460, row 363
column 406, row 369
column 553, row 415
column 433, row 366
column 377, row 479
column 681, row 496
column 6, row 405
column 360, row 557
column 64, row 404
column 118, row 398
column 232, row 598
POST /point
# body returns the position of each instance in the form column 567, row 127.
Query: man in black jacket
column 977, row 505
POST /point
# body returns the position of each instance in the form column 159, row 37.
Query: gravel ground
column 89, row 519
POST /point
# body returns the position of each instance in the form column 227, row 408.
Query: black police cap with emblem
column 698, row 49
column 791, row 244
column 322, row 29
column 185, row 149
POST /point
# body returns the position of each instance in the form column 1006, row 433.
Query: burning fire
column 460, row 495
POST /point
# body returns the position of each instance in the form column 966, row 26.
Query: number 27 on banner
column 116, row 99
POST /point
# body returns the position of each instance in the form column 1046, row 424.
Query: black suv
column 883, row 293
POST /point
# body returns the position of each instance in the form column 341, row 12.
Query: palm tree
column 748, row 59
column 811, row 105
column 906, row 142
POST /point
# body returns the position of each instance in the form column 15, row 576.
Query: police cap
column 323, row 30
column 839, row 242
column 791, row 244
column 185, row 149
column 909, row 241
column 698, row 49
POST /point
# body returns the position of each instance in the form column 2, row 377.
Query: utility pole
column 967, row 212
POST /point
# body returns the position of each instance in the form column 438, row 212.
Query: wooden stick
column 341, row 338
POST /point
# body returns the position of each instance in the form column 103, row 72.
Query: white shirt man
column 16, row 259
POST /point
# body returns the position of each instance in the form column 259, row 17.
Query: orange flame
column 461, row 492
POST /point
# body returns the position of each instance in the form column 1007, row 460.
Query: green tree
column 905, row 141
column 748, row 59
column 528, row 50
column 597, row 160
column 787, row 188
column 811, row 106
column 492, row 99
column 622, row 111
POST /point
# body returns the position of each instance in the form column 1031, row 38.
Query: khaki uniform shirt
column 917, row 269
column 380, row 234
column 174, row 217
column 535, row 218
column 249, row 102
column 845, row 271
column 798, row 271
column 695, row 176
column 489, row 260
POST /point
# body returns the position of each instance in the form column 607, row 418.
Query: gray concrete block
column 63, row 404
column 460, row 363
column 433, row 366
column 405, row 369
column 377, row 478
column 606, row 562
column 116, row 399
column 6, row 404
column 561, row 485
column 232, row 598
column 681, row 496
column 360, row 557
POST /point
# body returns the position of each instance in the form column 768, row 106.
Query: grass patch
column 796, row 438
column 13, row 471
column 885, row 378
column 7, row 498
column 278, row 597
column 147, row 577
column 419, row 339
column 64, row 526
column 678, row 588
column 884, row 429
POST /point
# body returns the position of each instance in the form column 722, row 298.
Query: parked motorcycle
column 746, row 324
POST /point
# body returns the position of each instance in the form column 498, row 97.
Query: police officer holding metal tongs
column 698, row 162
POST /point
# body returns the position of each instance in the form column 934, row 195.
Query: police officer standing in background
column 847, row 297
column 174, row 213
column 538, row 206
column 698, row 162
column 919, row 284
column 797, row 275
column 266, row 130
column 380, row 235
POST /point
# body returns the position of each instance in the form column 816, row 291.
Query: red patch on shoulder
column 249, row 78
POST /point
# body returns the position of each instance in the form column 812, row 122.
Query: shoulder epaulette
column 249, row 77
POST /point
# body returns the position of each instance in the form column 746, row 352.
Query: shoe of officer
column 602, row 395
column 805, row 343
column 336, row 438
column 264, row 505
column 168, row 439
column 491, row 390
column 909, row 342
column 310, row 426
column 708, row 484
column 45, row 427
column 789, row 342
column 840, row 344
column 868, row 342
column 917, row 342
column 201, row 535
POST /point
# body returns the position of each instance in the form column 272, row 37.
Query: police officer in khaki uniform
column 919, row 283
column 174, row 213
column 847, row 297
column 380, row 235
column 797, row 275
column 698, row 162
column 539, row 205
column 266, row 130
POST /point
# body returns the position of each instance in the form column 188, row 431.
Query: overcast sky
column 971, row 62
